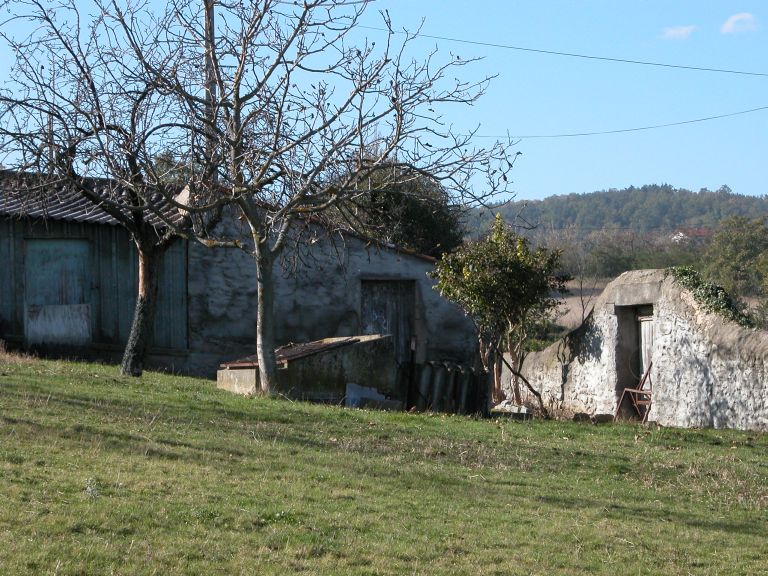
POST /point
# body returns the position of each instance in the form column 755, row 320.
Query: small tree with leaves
column 736, row 257
column 508, row 290
column 737, row 260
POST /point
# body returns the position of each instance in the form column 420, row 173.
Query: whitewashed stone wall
column 706, row 371
column 711, row 372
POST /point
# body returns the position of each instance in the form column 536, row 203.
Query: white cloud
column 741, row 22
column 679, row 32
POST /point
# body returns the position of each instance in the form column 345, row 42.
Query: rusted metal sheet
column 291, row 352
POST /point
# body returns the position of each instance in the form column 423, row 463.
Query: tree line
column 646, row 209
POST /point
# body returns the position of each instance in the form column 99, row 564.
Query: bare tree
column 576, row 261
column 276, row 107
column 80, row 113
column 303, row 100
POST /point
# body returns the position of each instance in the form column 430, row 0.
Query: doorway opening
column 634, row 347
column 389, row 306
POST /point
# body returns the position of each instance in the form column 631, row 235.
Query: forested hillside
column 721, row 234
column 652, row 208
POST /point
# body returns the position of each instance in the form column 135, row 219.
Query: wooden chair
column 641, row 397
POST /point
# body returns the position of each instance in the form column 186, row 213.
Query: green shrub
column 712, row 297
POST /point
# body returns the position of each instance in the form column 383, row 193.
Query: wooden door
column 645, row 334
column 388, row 307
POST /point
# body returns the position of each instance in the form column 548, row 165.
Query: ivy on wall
column 712, row 297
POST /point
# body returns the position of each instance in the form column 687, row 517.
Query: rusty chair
column 641, row 397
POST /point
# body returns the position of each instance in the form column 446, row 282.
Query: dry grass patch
column 14, row 357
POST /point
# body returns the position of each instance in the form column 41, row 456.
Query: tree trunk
column 514, row 357
column 536, row 394
column 531, row 389
column 144, row 312
column 497, row 393
column 265, row 321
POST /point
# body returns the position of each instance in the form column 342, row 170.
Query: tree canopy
column 642, row 209
column 416, row 213
column 737, row 257
column 507, row 288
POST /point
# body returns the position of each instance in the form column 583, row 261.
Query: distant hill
column 648, row 209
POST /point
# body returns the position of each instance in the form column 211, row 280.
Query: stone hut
column 702, row 370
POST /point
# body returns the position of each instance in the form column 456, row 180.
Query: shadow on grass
column 155, row 446
column 654, row 512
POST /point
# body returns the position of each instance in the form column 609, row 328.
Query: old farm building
column 649, row 350
column 69, row 283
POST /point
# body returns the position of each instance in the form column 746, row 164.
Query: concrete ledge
column 238, row 380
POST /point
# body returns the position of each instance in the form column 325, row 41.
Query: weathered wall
column 324, row 298
column 207, row 299
column 34, row 286
column 319, row 298
column 221, row 288
column 711, row 372
column 706, row 371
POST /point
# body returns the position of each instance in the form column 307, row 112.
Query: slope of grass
column 166, row 475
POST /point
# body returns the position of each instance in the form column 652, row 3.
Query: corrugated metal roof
column 29, row 195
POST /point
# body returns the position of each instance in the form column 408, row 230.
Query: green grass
column 165, row 475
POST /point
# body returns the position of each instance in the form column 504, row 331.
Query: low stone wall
column 706, row 371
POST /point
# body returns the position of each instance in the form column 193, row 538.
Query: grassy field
column 104, row 475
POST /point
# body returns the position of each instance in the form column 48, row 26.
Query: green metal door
column 57, row 295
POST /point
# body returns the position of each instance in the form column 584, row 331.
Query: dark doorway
column 634, row 346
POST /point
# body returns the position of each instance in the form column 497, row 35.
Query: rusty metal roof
column 29, row 195
column 291, row 352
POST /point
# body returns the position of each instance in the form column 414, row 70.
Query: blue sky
column 538, row 94
column 542, row 94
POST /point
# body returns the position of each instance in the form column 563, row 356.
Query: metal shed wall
column 110, row 290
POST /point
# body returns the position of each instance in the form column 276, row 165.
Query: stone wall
column 712, row 372
column 706, row 371
column 317, row 295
